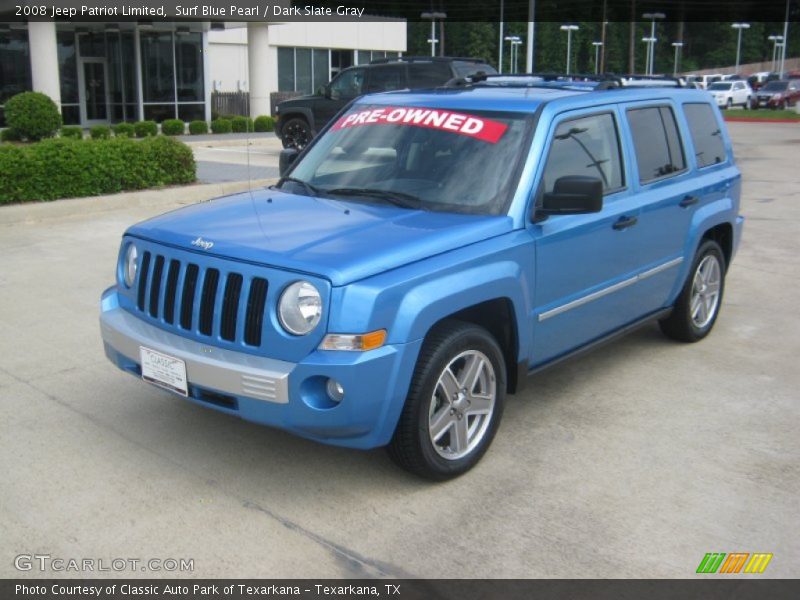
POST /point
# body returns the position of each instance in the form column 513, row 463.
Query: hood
column 340, row 240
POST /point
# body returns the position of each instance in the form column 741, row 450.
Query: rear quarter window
column 428, row 75
column 659, row 152
column 706, row 134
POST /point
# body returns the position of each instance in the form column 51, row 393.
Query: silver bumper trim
column 226, row 371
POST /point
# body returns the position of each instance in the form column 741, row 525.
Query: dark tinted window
column 464, row 68
column 657, row 142
column 706, row 134
column 589, row 147
column 348, row 84
column 386, row 78
column 427, row 75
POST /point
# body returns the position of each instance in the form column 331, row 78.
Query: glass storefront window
column 159, row 112
column 158, row 69
column 285, row 69
column 302, row 59
column 67, row 67
column 15, row 65
column 191, row 112
column 189, row 57
column 321, row 68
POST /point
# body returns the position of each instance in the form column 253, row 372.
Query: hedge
column 124, row 130
column 145, row 128
column 32, row 115
column 73, row 132
column 241, row 124
column 221, row 126
column 264, row 123
column 173, row 127
column 67, row 168
column 9, row 135
column 100, row 132
column 198, row 127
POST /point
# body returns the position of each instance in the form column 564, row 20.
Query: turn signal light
column 354, row 342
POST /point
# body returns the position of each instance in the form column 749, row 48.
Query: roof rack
column 475, row 59
column 572, row 81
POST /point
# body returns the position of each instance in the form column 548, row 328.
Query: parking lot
column 633, row 461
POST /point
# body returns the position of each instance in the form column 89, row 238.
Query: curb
column 260, row 141
column 32, row 212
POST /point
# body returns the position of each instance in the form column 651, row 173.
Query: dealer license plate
column 163, row 370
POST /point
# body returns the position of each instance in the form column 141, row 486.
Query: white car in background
column 728, row 94
column 703, row 81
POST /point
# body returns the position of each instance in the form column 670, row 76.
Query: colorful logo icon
column 736, row 562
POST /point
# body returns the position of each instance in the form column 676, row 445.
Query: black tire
column 412, row 446
column 748, row 104
column 296, row 133
column 729, row 104
column 681, row 325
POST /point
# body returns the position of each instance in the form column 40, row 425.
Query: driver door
column 347, row 85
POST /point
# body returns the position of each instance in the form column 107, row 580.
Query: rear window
column 464, row 68
column 428, row 75
column 706, row 134
column 659, row 152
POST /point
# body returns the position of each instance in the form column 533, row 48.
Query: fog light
column 335, row 390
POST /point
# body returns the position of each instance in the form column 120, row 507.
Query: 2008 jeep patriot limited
column 426, row 253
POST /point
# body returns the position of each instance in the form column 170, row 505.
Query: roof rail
column 475, row 59
column 571, row 81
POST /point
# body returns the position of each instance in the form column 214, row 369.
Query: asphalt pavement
column 634, row 461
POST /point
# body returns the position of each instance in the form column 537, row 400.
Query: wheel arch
column 294, row 112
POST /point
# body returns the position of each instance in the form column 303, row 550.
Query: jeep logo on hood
column 201, row 243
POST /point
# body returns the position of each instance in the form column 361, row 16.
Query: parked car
column 728, row 94
column 299, row 119
column 703, row 81
column 778, row 94
column 427, row 253
column 758, row 80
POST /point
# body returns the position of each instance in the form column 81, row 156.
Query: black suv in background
column 299, row 119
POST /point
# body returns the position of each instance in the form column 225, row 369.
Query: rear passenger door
column 385, row 78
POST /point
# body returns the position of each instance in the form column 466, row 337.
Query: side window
column 348, row 84
column 588, row 146
column 706, row 134
column 386, row 78
column 428, row 75
column 659, row 152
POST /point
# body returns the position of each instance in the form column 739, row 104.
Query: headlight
column 130, row 264
column 300, row 308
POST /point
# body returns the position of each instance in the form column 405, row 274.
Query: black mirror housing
column 287, row 157
column 573, row 195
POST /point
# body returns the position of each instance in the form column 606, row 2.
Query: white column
column 44, row 59
column 207, row 76
column 258, row 68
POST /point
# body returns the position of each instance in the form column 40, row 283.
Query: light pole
column 739, row 27
column 433, row 16
column 597, row 46
column 515, row 52
column 785, row 39
column 677, row 46
column 650, row 41
column 512, row 40
column 776, row 41
column 652, row 17
column 500, row 50
column 569, row 29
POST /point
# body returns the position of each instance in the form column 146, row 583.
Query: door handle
column 688, row 201
column 625, row 222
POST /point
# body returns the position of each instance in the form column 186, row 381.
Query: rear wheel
column 729, row 104
column 296, row 133
column 454, row 405
column 698, row 304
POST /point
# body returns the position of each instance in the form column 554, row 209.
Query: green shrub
column 145, row 128
column 198, row 127
column 67, row 168
column 241, row 124
column 10, row 135
column 124, row 130
column 71, row 131
column 221, row 126
column 100, row 132
column 264, row 123
column 173, row 127
column 33, row 115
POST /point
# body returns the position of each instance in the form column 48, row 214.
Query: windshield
column 775, row 86
column 720, row 86
column 423, row 158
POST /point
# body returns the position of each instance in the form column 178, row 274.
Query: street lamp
column 433, row 16
column 776, row 41
column 652, row 17
column 597, row 46
column 677, row 46
column 515, row 52
column 569, row 29
column 512, row 40
column 739, row 27
column 650, row 41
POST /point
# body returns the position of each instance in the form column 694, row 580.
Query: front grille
column 207, row 301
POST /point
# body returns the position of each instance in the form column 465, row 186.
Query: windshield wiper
column 310, row 189
column 401, row 199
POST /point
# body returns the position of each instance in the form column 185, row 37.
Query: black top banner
column 411, row 10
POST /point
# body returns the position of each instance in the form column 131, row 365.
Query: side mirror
column 324, row 91
column 287, row 157
column 573, row 195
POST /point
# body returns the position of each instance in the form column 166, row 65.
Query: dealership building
column 103, row 73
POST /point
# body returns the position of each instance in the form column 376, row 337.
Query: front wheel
column 296, row 133
column 454, row 404
column 697, row 306
column 729, row 104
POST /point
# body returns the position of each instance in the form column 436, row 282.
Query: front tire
column 296, row 133
column 698, row 304
column 454, row 404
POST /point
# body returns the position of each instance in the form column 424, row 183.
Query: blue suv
column 427, row 253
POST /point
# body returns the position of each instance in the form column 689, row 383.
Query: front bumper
column 272, row 392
